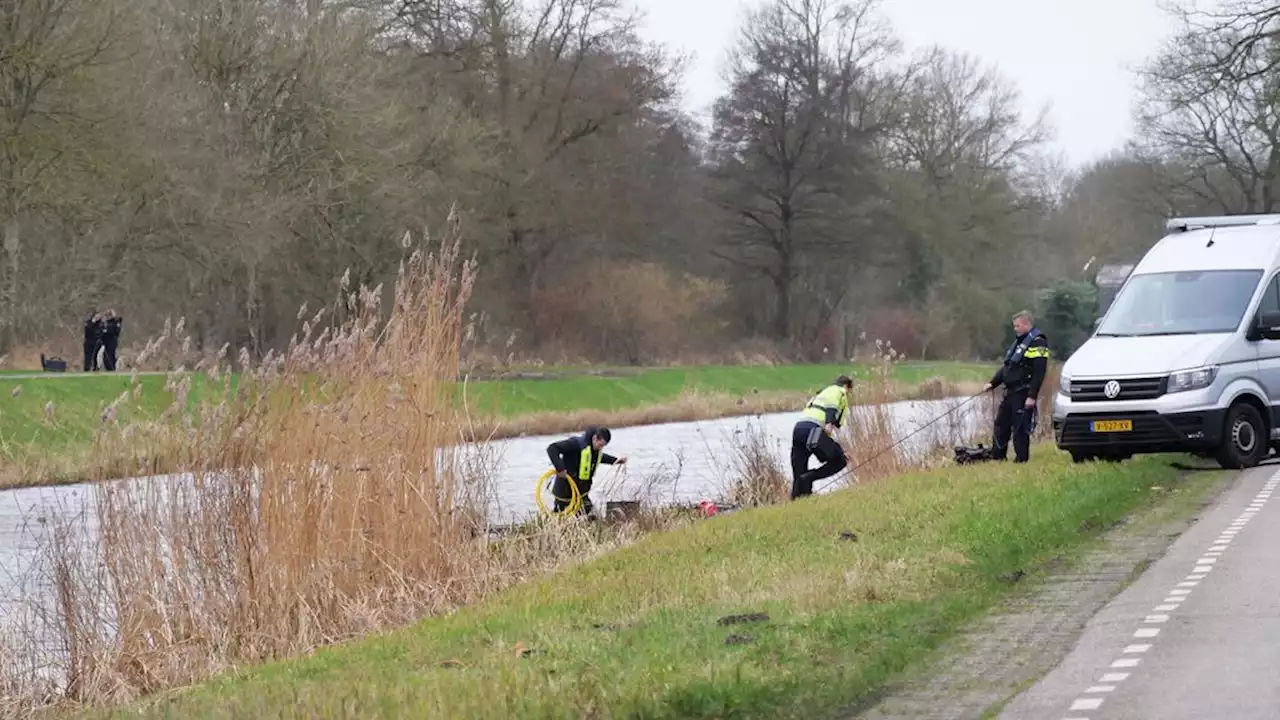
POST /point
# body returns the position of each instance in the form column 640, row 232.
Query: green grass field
column 60, row 414
column 511, row 398
column 638, row 633
column 78, row 401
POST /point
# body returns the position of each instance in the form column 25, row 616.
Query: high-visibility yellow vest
column 832, row 396
column 584, row 462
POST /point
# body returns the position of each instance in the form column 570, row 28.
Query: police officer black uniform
column 93, row 327
column 1022, row 373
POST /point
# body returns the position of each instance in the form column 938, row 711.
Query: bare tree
column 960, row 148
column 1241, row 30
column 792, row 138
column 43, row 45
column 1211, row 105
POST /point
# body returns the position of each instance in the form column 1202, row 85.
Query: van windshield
column 1181, row 303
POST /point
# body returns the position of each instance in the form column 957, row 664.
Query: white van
column 1187, row 357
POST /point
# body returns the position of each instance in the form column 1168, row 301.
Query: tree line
column 229, row 161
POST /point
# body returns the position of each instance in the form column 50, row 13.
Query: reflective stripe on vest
column 1019, row 350
column 832, row 396
column 584, row 463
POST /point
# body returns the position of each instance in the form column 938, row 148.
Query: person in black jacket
column 1022, row 373
column 578, row 457
column 110, row 340
column 93, row 327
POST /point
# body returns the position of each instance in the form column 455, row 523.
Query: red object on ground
column 708, row 508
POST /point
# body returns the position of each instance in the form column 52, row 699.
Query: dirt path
column 988, row 664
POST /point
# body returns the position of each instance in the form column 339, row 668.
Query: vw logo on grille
column 1111, row 389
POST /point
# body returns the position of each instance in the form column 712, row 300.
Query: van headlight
column 1192, row 379
column 1064, row 385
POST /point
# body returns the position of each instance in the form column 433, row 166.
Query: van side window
column 1271, row 298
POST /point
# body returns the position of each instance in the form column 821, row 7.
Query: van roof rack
column 1184, row 224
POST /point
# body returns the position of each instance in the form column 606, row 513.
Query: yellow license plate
column 1112, row 425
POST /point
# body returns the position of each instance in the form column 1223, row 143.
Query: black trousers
column 563, row 494
column 1014, row 418
column 90, row 357
column 827, row 450
column 109, row 355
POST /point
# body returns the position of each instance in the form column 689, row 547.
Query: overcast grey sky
column 1076, row 56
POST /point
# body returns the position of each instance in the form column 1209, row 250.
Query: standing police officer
column 814, row 434
column 1025, row 363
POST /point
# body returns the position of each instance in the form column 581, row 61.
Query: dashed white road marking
column 1160, row 613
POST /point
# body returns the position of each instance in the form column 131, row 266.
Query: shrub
column 631, row 312
column 1066, row 310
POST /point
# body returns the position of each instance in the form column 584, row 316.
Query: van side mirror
column 1268, row 325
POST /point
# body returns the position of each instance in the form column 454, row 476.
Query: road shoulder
column 979, row 671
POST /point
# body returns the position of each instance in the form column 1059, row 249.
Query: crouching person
column 578, row 457
column 814, row 434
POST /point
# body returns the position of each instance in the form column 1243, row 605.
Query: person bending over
column 814, row 434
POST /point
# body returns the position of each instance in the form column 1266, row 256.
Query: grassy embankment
column 643, row 632
column 47, row 424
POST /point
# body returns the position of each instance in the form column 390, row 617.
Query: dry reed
column 755, row 473
column 878, row 446
column 327, row 496
column 326, row 500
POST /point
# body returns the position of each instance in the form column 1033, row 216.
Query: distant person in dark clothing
column 110, row 340
column 578, row 457
column 93, row 328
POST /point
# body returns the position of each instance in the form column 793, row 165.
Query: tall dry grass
column 878, row 444
column 755, row 474
column 326, row 496
column 880, row 447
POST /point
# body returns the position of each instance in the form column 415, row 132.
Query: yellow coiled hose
column 575, row 501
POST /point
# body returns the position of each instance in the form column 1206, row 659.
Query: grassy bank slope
column 639, row 633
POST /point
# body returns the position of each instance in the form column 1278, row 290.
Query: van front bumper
column 1151, row 430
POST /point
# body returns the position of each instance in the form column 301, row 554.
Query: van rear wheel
column 1244, row 438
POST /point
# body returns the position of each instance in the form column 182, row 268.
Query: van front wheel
column 1244, row 438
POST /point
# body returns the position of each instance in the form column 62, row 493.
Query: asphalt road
column 1195, row 636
